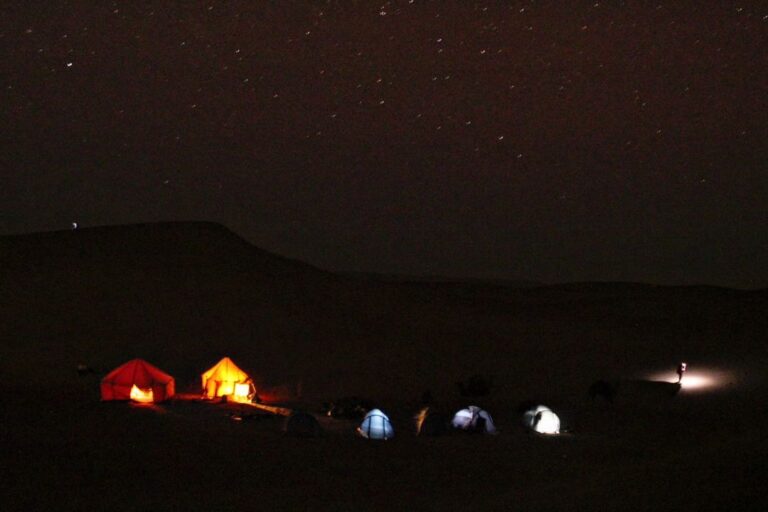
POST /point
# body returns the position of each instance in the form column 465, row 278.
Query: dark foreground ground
column 62, row 452
column 86, row 301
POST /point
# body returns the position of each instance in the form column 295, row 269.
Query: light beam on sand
column 695, row 381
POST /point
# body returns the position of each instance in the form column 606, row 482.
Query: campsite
column 182, row 296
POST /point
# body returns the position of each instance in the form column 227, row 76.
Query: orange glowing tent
column 226, row 379
column 139, row 381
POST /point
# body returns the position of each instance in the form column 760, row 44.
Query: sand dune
column 182, row 295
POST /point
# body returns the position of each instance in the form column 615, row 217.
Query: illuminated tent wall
column 376, row 425
column 137, row 380
column 542, row 420
column 473, row 419
column 226, row 379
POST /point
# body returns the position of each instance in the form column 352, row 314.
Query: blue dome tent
column 376, row 425
column 474, row 419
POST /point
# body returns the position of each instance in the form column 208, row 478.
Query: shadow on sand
column 634, row 391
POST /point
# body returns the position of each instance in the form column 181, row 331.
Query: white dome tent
column 474, row 419
column 376, row 425
column 542, row 420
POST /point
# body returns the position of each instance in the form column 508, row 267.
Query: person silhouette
column 680, row 371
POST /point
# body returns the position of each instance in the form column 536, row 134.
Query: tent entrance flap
column 144, row 396
column 242, row 392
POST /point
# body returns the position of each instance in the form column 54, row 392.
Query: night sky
column 551, row 141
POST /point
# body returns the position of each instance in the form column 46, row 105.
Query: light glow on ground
column 697, row 380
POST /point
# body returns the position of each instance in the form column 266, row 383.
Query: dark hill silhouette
column 184, row 292
column 183, row 295
column 140, row 246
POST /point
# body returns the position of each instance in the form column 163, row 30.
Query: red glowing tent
column 137, row 380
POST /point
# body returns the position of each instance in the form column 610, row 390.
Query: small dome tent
column 473, row 419
column 542, row 420
column 139, row 381
column 376, row 425
column 225, row 379
column 302, row 424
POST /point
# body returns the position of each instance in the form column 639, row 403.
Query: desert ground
column 183, row 295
